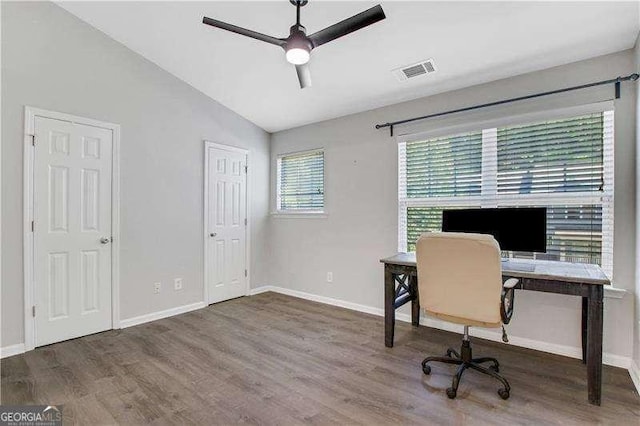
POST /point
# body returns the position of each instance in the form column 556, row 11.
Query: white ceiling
column 471, row 43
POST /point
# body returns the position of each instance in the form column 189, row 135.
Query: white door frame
column 30, row 115
column 207, row 145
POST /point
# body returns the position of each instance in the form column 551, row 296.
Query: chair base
column 464, row 361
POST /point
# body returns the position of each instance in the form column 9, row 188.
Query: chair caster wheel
column 451, row 393
column 504, row 394
column 426, row 369
column 450, row 353
column 494, row 368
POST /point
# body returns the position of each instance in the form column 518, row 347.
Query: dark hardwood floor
column 274, row 359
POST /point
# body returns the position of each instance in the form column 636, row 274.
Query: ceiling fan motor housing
column 298, row 39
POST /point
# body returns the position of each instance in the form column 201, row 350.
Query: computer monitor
column 515, row 229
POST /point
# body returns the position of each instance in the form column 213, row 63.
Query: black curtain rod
column 616, row 81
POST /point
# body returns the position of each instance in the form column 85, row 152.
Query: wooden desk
column 574, row 279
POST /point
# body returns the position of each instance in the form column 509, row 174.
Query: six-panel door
column 72, row 232
column 226, row 233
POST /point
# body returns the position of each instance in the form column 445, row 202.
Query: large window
column 300, row 182
column 564, row 164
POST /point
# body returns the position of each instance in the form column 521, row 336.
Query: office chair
column 460, row 281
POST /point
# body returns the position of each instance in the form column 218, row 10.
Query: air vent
column 415, row 70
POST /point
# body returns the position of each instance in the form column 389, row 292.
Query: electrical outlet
column 329, row 277
column 177, row 284
column 156, row 287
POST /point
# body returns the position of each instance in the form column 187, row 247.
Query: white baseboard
column 12, row 350
column 554, row 348
column 321, row 299
column 614, row 360
column 153, row 316
column 634, row 372
column 261, row 289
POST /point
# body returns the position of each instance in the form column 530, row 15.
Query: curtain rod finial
column 634, row 76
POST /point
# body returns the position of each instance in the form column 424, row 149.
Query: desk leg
column 415, row 302
column 389, row 307
column 585, row 314
column 594, row 343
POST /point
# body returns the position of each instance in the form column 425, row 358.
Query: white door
column 226, row 224
column 72, row 230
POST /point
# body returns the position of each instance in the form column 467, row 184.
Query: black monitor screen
column 515, row 229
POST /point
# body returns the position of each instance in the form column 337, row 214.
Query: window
column 300, row 182
column 563, row 164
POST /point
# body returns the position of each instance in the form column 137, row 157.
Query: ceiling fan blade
column 304, row 75
column 243, row 31
column 349, row 25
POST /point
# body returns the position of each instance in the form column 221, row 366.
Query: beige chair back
column 460, row 277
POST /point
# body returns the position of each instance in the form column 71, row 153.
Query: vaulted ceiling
column 470, row 42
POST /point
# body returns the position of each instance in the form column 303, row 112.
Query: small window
column 300, row 186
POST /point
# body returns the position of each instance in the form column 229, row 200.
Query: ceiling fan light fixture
column 298, row 56
column 298, row 46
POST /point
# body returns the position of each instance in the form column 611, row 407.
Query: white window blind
column 300, row 182
column 445, row 167
column 554, row 156
column 563, row 164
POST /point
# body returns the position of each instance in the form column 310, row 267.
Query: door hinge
column 245, row 272
column 33, row 226
column 33, row 140
column 245, row 222
column 33, row 311
column 246, row 169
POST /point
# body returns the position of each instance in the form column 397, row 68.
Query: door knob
column 213, row 234
column 105, row 240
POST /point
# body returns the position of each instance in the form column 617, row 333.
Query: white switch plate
column 177, row 284
column 329, row 277
column 156, row 287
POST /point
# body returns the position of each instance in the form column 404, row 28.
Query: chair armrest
column 507, row 299
column 510, row 283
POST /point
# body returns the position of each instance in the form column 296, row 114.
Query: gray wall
column 52, row 60
column 361, row 201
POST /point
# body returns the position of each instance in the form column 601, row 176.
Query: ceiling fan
column 298, row 45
